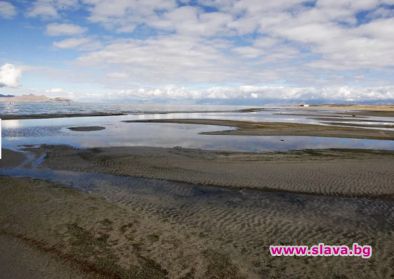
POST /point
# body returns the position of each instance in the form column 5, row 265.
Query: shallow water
column 118, row 133
column 107, row 107
column 171, row 135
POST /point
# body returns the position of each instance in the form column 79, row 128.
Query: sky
column 246, row 51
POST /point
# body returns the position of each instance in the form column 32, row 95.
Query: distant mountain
column 31, row 99
column 6, row 96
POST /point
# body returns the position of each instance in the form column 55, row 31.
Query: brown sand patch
column 19, row 260
column 11, row 158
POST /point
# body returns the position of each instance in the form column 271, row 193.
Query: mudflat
column 328, row 172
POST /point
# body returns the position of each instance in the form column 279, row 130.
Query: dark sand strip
column 351, row 119
column 86, row 128
column 361, row 125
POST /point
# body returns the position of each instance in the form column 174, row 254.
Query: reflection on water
column 118, row 133
column 25, row 108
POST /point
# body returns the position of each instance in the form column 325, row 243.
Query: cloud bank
column 259, row 94
column 234, row 49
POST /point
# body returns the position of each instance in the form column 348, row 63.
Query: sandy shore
column 247, row 128
column 139, row 236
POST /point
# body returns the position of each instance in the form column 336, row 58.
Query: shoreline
column 146, row 212
column 57, row 115
column 340, row 111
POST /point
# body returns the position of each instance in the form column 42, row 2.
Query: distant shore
column 31, row 99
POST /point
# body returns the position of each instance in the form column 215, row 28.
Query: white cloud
column 7, row 10
column 44, row 9
column 64, row 29
column 117, row 75
column 55, row 90
column 124, row 16
column 83, row 43
column 47, row 9
column 162, row 59
column 328, row 29
column 9, row 75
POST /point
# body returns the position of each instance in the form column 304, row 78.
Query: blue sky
column 199, row 49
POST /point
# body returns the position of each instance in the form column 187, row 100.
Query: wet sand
column 247, row 128
column 20, row 259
